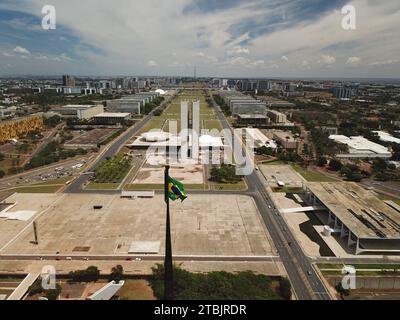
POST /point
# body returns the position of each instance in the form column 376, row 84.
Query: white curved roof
column 210, row 141
column 156, row 136
column 161, row 91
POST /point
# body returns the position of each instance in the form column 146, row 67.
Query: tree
column 285, row 289
column 342, row 291
column 2, row 174
column 335, row 165
column 215, row 285
column 53, row 294
column 2, row 156
column 117, row 274
column 322, row 162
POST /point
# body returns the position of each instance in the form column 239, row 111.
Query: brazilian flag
column 176, row 190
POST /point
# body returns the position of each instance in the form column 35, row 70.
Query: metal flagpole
column 168, row 266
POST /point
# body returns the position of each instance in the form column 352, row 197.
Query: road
column 305, row 281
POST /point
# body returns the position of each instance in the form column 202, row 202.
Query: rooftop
column 360, row 145
column 359, row 209
column 112, row 115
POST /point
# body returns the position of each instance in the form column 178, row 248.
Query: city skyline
column 228, row 39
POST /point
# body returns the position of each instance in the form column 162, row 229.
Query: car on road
column 128, row 259
column 309, row 272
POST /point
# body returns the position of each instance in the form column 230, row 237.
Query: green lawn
column 274, row 163
column 379, row 266
column 36, row 189
column 313, row 176
column 229, row 186
column 388, row 198
column 288, row 190
column 102, row 186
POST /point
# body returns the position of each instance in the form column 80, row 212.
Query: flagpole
column 168, row 266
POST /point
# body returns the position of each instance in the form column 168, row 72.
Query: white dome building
column 156, row 136
column 161, row 92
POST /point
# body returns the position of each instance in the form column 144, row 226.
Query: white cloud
column 285, row 58
column 238, row 50
column 6, row 54
column 207, row 58
column 151, row 63
column 383, row 63
column 128, row 44
column 327, row 59
column 21, row 50
column 354, row 60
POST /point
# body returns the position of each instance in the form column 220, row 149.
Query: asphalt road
column 304, row 279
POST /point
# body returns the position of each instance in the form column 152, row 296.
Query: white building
column 260, row 139
column 359, row 147
column 387, row 137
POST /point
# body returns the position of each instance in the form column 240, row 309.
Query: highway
column 305, row 281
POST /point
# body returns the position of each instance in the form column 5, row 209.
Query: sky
column 222, row 38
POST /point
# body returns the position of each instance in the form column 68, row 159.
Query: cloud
column 327, row 59
column 207, row 58
column 252, row 31
column 6, row 54
column 151, row 63
column 284, row 58
column 238, row 50
column 21, row 50
column 354, row 60
column 383, row 63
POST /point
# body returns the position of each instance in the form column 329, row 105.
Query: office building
column 68, row 81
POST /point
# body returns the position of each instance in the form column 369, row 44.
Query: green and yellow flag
column 176, row 190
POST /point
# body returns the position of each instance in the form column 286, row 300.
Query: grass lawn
column 288, row 190
column 60, row 181
column 136, row 290
column 388, row 198
column 364, row 266
column 229, row 186
column 313, row 176
column 102, row 186
column 173, row 112
column 36, row 189
column 274, row 163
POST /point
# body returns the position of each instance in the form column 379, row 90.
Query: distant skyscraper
column 344, row 92
column 68, row 81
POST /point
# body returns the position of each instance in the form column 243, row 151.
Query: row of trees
column 113, row 169
column 220, row 286
column 153, row 105
column 224, row 174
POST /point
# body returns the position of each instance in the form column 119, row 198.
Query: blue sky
column 260, row 38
